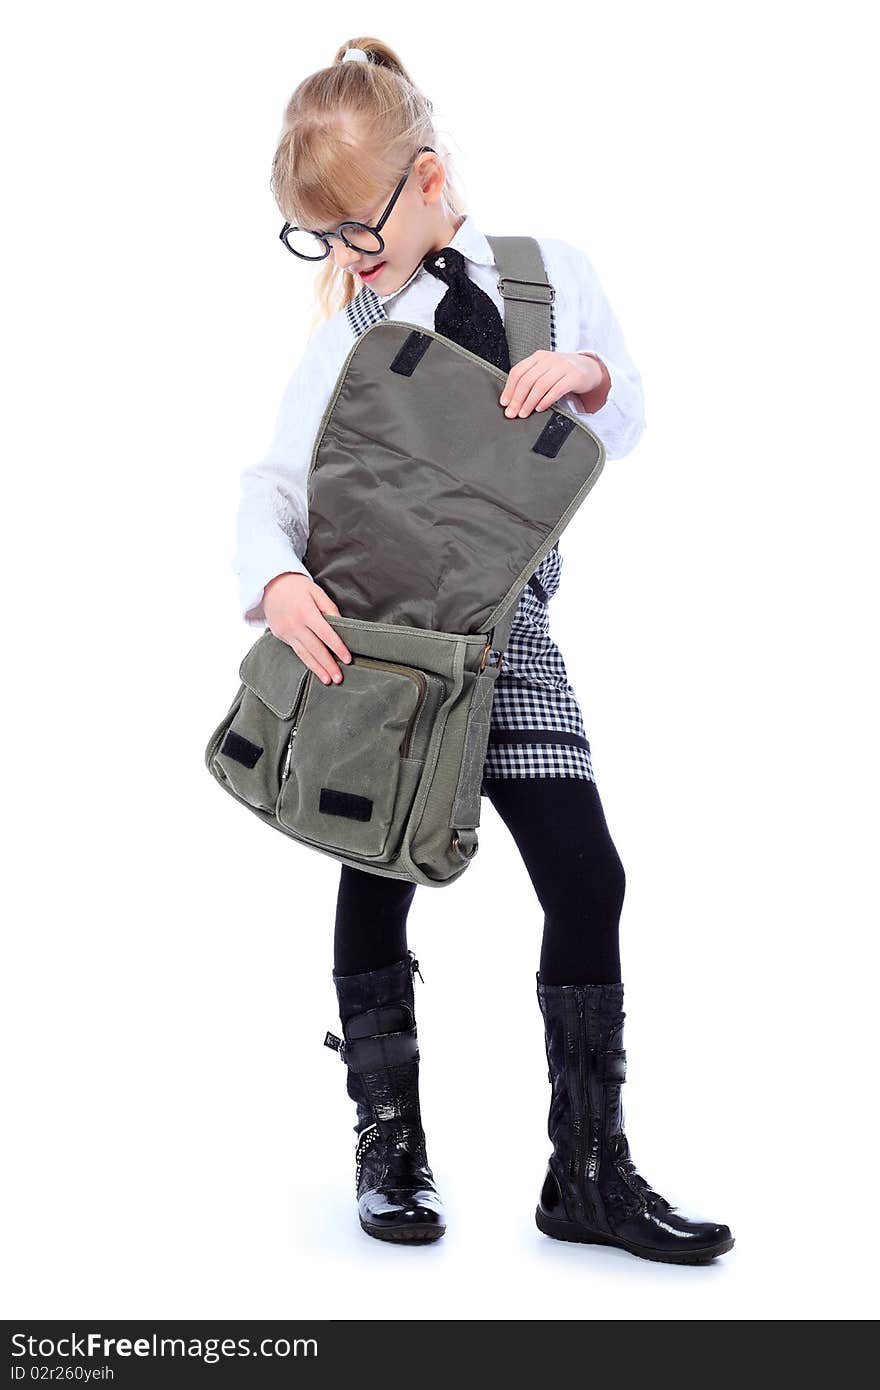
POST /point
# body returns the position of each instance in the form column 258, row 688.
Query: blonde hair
column 349, row 130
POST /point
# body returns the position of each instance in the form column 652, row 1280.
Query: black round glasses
column 358, row 236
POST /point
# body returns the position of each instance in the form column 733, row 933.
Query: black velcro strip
column 383, row 1051
column 345, row 804
column 497, row 735
column 411, row 354
column 553, row 435
column 241, row 749
column 538, row 589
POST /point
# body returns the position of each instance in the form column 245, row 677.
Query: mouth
column 372, row 272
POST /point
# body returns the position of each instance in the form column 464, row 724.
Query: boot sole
column 567, row 1230
column 405, row 1235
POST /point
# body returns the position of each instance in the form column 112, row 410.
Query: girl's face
column 416, row 226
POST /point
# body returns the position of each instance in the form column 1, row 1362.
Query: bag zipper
column 417, row 676
column 297, row 710
column 286, row 773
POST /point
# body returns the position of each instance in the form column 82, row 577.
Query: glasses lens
column 360, row 237
column 305, row 243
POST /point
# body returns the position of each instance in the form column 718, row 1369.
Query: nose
column 346, row 259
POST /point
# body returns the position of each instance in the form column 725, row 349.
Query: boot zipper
column 580, row 1119
column 591, row 1170
column 597, row 1119
column 368, row 1135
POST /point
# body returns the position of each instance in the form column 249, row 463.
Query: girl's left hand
column 539, row 380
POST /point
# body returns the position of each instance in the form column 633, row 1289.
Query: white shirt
column 273, row 517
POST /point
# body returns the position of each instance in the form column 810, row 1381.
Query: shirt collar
column 469, row 240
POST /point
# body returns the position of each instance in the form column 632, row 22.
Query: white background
column 180, row 1142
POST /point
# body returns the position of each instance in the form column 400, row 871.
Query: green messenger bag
column 429, row 510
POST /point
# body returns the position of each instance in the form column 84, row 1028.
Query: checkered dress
column 536, row 726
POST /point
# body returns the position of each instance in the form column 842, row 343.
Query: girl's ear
column 433, row 177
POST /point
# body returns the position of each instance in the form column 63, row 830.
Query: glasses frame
column 325, row 236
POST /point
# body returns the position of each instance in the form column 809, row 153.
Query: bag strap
column 527, row 295
column 528, row 324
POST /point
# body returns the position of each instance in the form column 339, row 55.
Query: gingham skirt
column 536, row 728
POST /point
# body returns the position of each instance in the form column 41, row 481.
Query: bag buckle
column 485, row 657
column 465, row 843
column 527, row 298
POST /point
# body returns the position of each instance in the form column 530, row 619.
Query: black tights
column 561, row 833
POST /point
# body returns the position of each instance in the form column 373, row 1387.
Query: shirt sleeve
column 621, row 420
column 272, row 525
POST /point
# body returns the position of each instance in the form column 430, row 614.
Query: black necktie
column 466, row 314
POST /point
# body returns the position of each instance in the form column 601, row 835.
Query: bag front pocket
column 354, row 756
column 249, row 754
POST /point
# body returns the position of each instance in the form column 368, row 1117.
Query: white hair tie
column 355, row 55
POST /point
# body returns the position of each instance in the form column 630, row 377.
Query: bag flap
column 428, row 508
column 274, row 672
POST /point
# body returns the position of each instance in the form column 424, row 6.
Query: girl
column 363, row 187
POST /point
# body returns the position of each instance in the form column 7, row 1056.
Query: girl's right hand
column 294, row 607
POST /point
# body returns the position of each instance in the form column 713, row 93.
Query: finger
column 510, row 384
column 325, row 604
column 312, row 654
column 566, row 381
column 514, row 376
column 519, row 393
column 540, row 362
column 538, row 386
column 329, row 635
column 553, row 395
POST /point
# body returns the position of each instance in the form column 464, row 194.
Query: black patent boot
column 396, row 1196
column 592, row 1192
